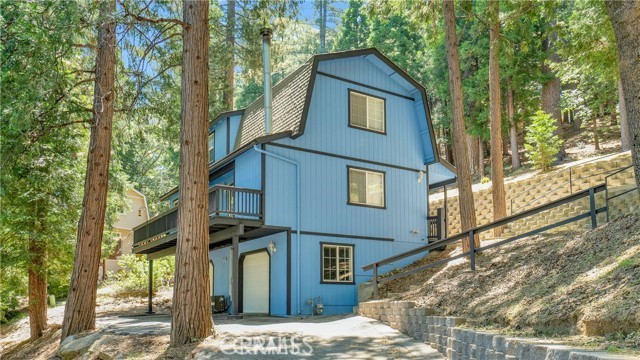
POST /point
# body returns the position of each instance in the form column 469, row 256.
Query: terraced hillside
column 580, row 282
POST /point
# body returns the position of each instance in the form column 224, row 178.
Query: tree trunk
column 550, row 95
column 624, row 18
column 79, row 312
column 497, row 175
column 625, row 136
column 513, row 129
column 191, row 313
column 596, row 142
column 227, row 95
column 323, row 26
column 37, row 288
column 480, row 160
column 613, row 120
column 461, row 154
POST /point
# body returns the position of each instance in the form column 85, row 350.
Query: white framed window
column 367, row 112
column 366, row 187
column 337, row 263
column 212, row 146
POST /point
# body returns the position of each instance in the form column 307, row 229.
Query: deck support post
column 375, row 281
column 446, row 226
column 592, row 203
column 472, row 251
column 150, row 305
column 235, row 258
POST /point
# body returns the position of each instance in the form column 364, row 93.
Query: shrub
column 541, row 144
column 133, row 279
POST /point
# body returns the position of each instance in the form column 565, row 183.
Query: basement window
column 367, row 112
column 337, row 263
column 366, row 187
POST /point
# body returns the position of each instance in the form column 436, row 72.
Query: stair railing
column 471, row 234
column 572, row 182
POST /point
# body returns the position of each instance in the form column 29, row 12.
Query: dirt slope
column 574, row 283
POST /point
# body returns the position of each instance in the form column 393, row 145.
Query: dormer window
column 367, row 112
column 212, row 146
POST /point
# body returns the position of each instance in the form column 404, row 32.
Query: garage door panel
column 255, row 283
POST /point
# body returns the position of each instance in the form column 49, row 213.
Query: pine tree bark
column 79, row 313
column 625, row 135
column 480, row 160
column 37, row 288
column 550, row 95
column 513, row 129
column 497, row 175
column 625, row 16
column 228, row 93
column 323, row 26
column 191, row 313
column 460, row 143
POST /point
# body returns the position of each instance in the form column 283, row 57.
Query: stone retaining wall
column 445, row 334
column 532, row 191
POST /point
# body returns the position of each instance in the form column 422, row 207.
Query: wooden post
column 234, row 275
column 150, row 306
column 592, row 201
column 375, row 281
column 472, row 251
column 446, row 216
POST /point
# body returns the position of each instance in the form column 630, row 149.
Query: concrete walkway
column 325, row 337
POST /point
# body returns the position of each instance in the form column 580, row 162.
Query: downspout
column 297, row 181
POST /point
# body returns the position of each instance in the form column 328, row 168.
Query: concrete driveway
column 260, row 337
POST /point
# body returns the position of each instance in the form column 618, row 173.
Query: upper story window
column 337, row 263
column 366, row 187
column 367, row 112
column 212, row 146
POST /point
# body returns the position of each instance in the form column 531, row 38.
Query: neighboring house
column 136, row 214
column 339, row 182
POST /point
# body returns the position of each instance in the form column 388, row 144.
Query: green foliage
column 541, row 144
column 42, row 141
column 354, row 30
column 133, row 279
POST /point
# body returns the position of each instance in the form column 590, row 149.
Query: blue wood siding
column 328, row 130
column 221, row 139
column 337, row 298
column 278, row 287
column 248, row 170
column 324, row 198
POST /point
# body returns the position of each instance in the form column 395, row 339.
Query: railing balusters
column 223, row 200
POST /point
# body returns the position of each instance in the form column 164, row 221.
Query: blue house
column 340, row 181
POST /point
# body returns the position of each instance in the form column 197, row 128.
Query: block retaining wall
column 445, row 334
column 530, row 192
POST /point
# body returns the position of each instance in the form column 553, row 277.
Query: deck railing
column 468, row 236
column 224, row 201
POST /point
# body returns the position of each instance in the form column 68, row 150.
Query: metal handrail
column 570, row 181
column 606, row 181
column 470, row 234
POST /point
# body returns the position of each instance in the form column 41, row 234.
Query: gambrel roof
column 292, row 97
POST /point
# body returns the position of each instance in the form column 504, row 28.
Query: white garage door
column 255, row 283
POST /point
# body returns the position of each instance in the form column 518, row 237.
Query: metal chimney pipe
column 266, row 63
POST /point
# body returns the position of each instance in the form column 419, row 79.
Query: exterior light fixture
column 272, row 247
column 420, row 176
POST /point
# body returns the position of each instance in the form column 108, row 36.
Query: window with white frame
column 367, row 112
column 337, row 263
column 212, row 146
column 366, row 187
